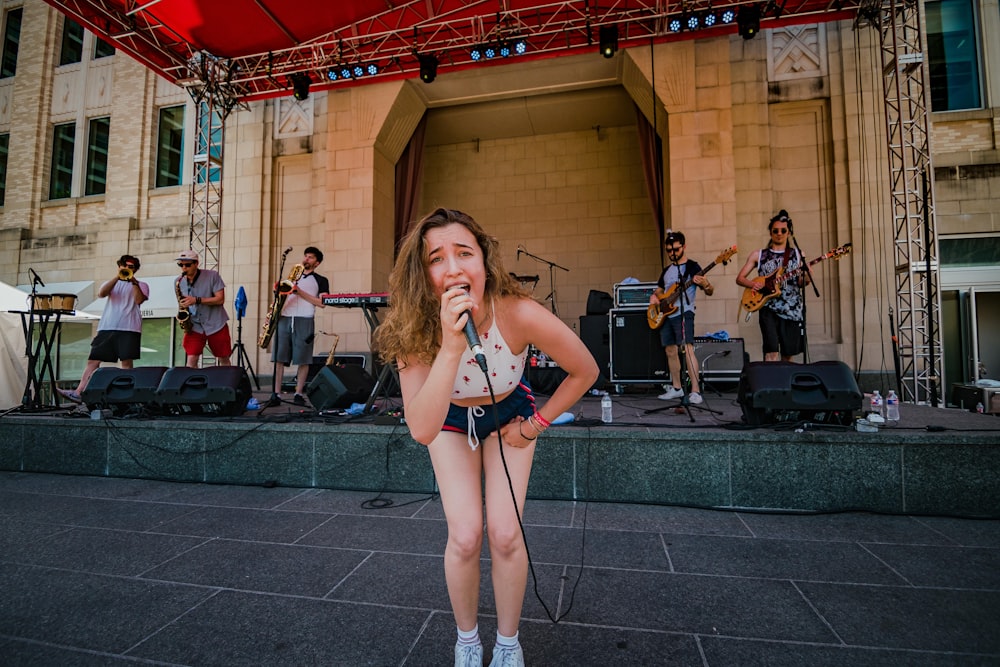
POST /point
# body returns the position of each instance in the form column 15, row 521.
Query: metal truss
column 447, row 29
column 209, row 85
column 917, row 272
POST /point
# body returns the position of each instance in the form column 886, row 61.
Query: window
column 97, row 157
column 4, row 145
column 61, row 179
column 170, row 147
column 953, row 55
column 102, row 49
column 11, row 39
column 72, row 43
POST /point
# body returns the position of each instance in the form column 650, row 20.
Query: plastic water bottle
column 980, row 408
column 606, row 416
column 877, row 403
column 892, row 406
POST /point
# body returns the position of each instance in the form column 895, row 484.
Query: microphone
column 472, row 336
column 36, row 277
column 520, row 249
column 287, row 250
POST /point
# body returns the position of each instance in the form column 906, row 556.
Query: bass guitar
column 658, row 312
column 753, row 300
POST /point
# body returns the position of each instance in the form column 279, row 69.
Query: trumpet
column 125, row 273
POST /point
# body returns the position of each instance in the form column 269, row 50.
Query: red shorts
column 219, row 343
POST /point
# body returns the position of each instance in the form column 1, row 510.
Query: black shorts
column 111, row 346
column 779, row 334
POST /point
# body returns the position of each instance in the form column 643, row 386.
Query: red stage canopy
column 254, row 46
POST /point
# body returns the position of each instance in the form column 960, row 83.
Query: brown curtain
column 651, row 153
column 409, row 179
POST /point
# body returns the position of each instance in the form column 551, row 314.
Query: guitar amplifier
column 634, row 296
column 721, row 360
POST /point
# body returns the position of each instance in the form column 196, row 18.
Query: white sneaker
column 671, row 394
column 507, row 656
column 470, row 655
column 695, row 397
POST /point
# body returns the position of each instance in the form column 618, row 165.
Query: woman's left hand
column 518, row 433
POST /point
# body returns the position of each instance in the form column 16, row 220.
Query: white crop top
column 505, row 368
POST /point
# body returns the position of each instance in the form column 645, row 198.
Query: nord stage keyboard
column 374, row 300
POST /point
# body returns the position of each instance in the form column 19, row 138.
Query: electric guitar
column 753, row 300
column 657, row 312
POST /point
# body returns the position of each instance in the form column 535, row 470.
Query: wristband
column 541, row 420
column 197, row 301
column 523, row 436
column 531, row 421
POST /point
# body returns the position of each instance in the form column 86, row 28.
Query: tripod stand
column 242, row 358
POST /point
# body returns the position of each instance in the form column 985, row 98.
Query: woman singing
column 448, row 268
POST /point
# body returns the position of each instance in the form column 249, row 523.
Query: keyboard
column 374, row 299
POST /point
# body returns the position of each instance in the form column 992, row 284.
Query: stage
column 936, row 461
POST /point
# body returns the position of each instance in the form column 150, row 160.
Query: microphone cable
column 520, row 522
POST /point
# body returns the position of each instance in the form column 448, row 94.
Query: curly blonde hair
column 412, row 326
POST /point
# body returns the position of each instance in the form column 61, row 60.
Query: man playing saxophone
column 293, row 340
column 203, row 294
column 120, row 329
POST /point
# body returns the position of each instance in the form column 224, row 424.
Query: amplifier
column 720, row 359
column 634, row 295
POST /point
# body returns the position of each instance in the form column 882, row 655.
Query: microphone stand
column 802, row 325
column 552, row 279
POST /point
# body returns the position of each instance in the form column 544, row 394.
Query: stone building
column 97, row 162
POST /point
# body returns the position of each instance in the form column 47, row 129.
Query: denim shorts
column 481, row 417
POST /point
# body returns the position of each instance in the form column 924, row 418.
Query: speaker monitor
column 636, row 353
column 123, row 389
column 823, row 392
column 213, row 390
column 337, row 387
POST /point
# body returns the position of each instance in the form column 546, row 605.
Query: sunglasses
column 779, row 231
column 675, row 248
column 184, row 265
column 130, row 266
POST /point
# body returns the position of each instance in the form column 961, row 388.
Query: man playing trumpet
column 120, row 330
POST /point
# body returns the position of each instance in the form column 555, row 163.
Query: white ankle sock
column 506, row 641
column 470, row 637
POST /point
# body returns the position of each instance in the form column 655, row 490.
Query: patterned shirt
column 788, row 304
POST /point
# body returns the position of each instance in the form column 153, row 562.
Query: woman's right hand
column 455, row 302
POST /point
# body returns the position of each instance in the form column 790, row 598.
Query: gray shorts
column 292, row 343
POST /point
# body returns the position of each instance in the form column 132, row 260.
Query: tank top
column 505, row 367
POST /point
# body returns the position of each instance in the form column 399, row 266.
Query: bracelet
column 539, row 431
column 541, row 420
column 522, row 433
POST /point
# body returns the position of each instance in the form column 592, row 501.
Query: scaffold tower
column 920, row 360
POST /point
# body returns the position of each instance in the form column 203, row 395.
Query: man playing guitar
column 781, row 317
column 672, row 335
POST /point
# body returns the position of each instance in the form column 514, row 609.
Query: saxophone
column 183, row 316
column 285, row 288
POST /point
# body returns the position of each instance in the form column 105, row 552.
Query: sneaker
column 70, row 395
column 695, row 397
column 469, row 655
column 299, row 399
column 671, row 394
column 507, row 656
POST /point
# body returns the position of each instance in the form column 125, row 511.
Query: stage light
column 332, row 74
column 674, row 25
column 345, row 72
column 520, row 46
column 476, row 53
column 692, row 22
column 428, row 67
column 371, row 69
column 490, row 51
column 727, row 16
column 748, row 21
column 609, row 40
column 708, row 19
column 503, row 48
column 300, row 85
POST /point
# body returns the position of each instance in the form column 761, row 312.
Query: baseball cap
column 189, row 255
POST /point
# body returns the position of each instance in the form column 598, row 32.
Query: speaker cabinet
column 123, row 390
column 720, row 360
column 636, row 353
column 362, row 359
column 595, row 335
column 336, row 387
column 824, row 392
column 214, row 390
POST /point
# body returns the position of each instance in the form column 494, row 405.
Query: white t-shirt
column 121, row 312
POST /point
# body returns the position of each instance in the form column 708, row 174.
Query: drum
column 64, row 303
column 41, row 303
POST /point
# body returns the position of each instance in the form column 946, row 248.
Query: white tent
column 13, row 356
